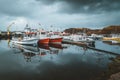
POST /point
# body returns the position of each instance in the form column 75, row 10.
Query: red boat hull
column 55, row 40
column 44, row 41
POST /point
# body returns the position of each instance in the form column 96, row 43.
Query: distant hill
column 77, row 30
column 106, row 30
column 111, row 29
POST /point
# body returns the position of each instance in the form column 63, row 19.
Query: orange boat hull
column 55, row 40
column 43, row 41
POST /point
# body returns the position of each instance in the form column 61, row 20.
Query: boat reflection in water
column 55, row 48
column 111, row 43
column 30, row 51
column 52, row 48
column 28, row 56
column 38, row 62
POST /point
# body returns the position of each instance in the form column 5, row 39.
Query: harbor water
column 70, row 62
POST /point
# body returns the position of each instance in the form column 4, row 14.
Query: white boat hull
column 26, row 41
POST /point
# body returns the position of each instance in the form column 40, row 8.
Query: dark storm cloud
column 85, row 6
column 84, row 12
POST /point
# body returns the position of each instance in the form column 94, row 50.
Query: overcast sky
column 61, row 14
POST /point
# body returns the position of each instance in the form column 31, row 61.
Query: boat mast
column 39, row 31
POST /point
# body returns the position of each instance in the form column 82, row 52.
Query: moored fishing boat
column 54, row 37
column 31, row 36
column 83, row 39
column 43, row 39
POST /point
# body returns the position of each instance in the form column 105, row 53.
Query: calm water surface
column 19, row 62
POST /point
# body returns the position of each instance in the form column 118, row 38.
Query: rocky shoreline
column 113, row 72
column 114, row 69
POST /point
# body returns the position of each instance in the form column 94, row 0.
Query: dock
column 74, row 43
column 87, row 46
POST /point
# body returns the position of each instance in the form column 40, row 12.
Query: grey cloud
column 48, row 2
column 14, row 8
column 85, row 6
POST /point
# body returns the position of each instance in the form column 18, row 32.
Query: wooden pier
column 74, row 43
column 86, row 45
